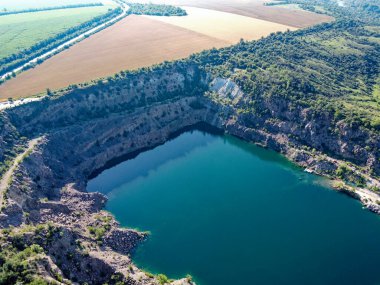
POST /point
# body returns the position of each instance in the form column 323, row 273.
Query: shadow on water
column 258, row 151
column 128, row 167
column 272, row 157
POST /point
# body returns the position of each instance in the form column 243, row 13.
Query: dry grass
column 132, row 43
column 225, row 26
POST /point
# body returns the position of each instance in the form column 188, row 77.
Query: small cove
column 229, row 212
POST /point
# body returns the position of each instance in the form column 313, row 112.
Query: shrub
column 162, row 279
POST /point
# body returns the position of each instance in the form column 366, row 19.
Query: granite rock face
column 92, row 128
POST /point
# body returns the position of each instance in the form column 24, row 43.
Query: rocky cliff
column 87, row 129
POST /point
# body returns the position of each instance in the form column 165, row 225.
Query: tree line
column 5, row 12
column 155, row 10
column 363, row 11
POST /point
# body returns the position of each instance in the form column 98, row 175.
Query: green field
column 21, row 31
column 28, row 4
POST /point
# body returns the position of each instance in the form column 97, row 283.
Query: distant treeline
column 365, row 11
column 155, row 10
column 5, row 12
column 301, row 4
column 276, row 3
column 15, row 60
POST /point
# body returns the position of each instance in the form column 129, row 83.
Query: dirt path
column 7, row 175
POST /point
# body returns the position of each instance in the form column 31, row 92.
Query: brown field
column 131, row 43
column 255, row 9
column 225, row 26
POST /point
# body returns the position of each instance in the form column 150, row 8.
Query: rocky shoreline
column 88, row 129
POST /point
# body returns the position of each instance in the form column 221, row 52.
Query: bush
column 17, row 267
column 162, row 279
column 98, row 232
column 342, row 171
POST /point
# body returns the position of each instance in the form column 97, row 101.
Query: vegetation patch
column 100, row 227
column 22, row 255
column 19, row 267
column 155, row 10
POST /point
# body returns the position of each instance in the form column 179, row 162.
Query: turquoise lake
column 228, row 212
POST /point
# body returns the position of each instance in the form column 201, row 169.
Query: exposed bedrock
column 88, row 129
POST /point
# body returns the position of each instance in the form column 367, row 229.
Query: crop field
column 225, row 26
column 20, row 31
column 133, row 42
column 139, row 41
column 255, row 9
column 13, row 5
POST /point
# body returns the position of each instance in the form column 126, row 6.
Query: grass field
column 133, row 42
column 225, row 26
column 21, row 31
column 14, row 5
